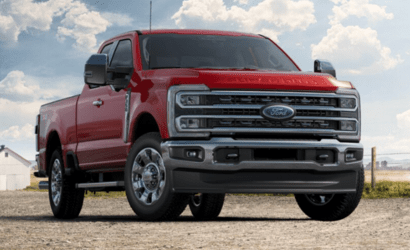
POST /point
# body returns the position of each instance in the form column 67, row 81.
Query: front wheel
column 206, row 206
column 147, row 185
column 66, row 201
column 331, row 207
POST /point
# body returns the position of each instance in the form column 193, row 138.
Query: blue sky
column 44, row 45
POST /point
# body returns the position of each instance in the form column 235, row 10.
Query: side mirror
column 322, row 66
column 96, row 69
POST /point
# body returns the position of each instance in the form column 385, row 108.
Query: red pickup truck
column 178, row 117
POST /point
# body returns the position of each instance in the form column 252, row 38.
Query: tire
column 149, row 191
column 331, row 207
column 206, row 206
column 66, row 201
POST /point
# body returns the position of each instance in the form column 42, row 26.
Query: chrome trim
column 255, row 129
column 172, row 91
column 263, row 93
column 125, row 129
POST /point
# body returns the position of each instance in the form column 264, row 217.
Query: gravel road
column 257, row 222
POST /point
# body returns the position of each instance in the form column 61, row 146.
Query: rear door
column 101, row 115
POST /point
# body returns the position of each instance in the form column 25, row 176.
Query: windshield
column 161, row 51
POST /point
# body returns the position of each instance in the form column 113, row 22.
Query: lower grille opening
column 236, row 155
column 278, row 154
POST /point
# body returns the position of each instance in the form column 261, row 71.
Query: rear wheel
column 206, row 206
column 66, row 201
column 331, row 207
column 148, row 188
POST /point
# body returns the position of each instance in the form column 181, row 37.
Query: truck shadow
column 120, row 218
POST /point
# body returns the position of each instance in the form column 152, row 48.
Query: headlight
column 191, row 123
column 189, row 100
column 348, row 125
column 347, row 103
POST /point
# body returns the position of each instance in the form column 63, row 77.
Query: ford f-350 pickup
column 178, row 117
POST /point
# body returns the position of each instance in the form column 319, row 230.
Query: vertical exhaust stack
column 2, row 147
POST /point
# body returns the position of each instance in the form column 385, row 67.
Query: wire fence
column 391, row 154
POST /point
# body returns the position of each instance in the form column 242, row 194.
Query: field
column 388, row 175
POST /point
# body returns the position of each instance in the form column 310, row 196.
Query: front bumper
column 207, row 174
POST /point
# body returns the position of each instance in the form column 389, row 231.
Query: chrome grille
column 316, row 113
column 267, row 99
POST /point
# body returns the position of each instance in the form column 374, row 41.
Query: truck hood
column 246, row 79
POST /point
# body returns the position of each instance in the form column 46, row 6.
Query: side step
column 43, row 185
column 100, row 184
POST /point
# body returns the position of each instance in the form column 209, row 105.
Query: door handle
column 97, row 103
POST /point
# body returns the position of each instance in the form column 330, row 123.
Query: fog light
column 350, row 156
column 191, row 154
column 348, row 125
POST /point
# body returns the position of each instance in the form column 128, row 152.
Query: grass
column 384, row 189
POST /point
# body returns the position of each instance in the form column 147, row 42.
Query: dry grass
column 388, row 175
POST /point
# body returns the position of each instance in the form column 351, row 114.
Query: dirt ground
column 257, row 222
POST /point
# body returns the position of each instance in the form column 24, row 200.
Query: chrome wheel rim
column 196, row 199
column 56, row 182
column 319, row 199
column 148, row 176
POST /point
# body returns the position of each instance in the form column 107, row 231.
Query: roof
column 198, row 32
column 17, row 156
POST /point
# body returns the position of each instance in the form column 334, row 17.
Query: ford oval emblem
column 278, row 112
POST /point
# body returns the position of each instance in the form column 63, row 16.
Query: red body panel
column 95, row 134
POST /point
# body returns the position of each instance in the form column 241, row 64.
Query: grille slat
column 263, row 100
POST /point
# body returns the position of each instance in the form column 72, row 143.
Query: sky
column 44, row 45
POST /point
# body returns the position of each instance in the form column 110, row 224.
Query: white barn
column 14, row 170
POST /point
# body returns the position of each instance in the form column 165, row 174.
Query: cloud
column 271, row 16
column 403, row 119
column 15, row 84
column 78, row 22
column 14, row 133
column 358, row 49
column 117, row 19
column 19, row 87
column 358, row 8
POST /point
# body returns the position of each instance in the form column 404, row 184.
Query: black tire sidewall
column 57, row 210
column 154, row 211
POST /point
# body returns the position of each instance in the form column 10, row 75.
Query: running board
column 43, row 185
column 100, row 184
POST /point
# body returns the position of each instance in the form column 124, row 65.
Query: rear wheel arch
column 53, row 143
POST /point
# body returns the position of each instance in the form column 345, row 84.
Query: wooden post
column 373, row 167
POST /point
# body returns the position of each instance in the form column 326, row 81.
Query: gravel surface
column 256, row 222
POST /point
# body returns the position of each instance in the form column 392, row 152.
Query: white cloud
column 82, row 25
column 14, row 83
column 16, row 133
column 358, row 8
column 271, row 16
column 78, row 21
column 358, row 50
column 356, row 47
column 403, row 120
column 117, row 19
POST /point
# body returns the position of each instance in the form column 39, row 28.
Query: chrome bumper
column 251, row 176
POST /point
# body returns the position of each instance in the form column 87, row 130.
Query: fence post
column 373, row 167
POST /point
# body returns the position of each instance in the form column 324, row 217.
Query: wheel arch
column 144, row 123
column 53, row 143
